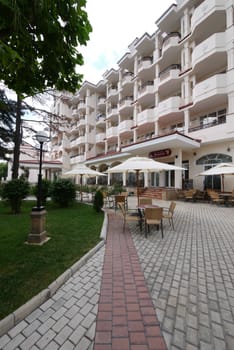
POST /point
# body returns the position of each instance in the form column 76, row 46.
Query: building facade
column 171, row 98
column 29, row 164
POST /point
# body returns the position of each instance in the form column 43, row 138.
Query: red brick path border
column 126, row 318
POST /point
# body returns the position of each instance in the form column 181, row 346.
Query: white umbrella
column 141, row 164
column 220, row 169
column 82, row 170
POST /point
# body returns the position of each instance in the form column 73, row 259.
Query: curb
column 23, row 311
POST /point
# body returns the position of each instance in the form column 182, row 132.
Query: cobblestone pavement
column 190, row 274
column 66, row 321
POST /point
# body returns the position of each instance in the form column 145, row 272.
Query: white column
column 178, row 173
column 124, row 179
column 146, row 179
column 186, row 121
column 108, row 179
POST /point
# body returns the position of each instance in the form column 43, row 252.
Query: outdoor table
column 225, row 196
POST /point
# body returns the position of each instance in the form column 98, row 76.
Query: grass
column 26, row 270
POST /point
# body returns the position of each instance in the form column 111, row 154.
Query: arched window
column 214, row 158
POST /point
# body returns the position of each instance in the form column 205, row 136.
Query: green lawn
column 26, row 270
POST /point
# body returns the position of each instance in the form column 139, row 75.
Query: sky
column 116, row 23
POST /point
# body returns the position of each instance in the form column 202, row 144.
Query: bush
column 98, row 201
column 14, row 192
column 63, row 192
column 45, row 190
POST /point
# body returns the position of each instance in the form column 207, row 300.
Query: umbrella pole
column 222, row 180
column 137, row 184
column 81, row 198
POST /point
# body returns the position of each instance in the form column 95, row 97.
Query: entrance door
column 212, row 181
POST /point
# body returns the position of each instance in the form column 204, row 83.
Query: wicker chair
column 169, row 212
column 129, row 215
column 153, row 216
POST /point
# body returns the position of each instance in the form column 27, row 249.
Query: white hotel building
column 171, row 98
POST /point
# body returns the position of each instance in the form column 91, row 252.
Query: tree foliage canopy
column 7, row 120
column 39, row 41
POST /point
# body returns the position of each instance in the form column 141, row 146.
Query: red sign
column 161, row 153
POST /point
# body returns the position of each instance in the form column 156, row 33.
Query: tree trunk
column 17, row 140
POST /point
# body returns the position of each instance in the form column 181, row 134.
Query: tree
column 7, row 120
column 3, row 171
column 39, row 42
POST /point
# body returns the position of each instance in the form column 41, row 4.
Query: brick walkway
column 126, row 318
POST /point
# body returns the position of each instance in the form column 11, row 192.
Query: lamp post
column 41, row 137
column 37, row 236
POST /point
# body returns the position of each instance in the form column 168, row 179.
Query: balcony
column 125, row 126
column 100, row 138
column 197, row 125
column 81, row 122
column 169, row 74
column 101, row 119
column 101, row 101
column 77, row 159
column 145, row 63
column 208, row 8
column 113, row 111
column 170, row 42
column 145, row 117
column 146, row 89
column 112, row 91
column 80, row 140
column 112, row 132
column 126, row 103
column 210, row 88
column 169, row 106
column 81, row 105
column 215, row 44
column 73, row 143
column 127, row 78
column 74, row 113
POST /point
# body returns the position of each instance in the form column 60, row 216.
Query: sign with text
column 160, row 153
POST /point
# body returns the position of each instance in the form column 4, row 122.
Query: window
column 214, row 158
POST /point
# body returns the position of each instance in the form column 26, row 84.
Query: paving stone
column 63, row 335
column 30, row 341
column 45, row 339
column 15, row 342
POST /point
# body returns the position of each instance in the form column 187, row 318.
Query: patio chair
column 145, row 200
column 129, row 215
column 125, row 194
column 190, row 195
column 215, row 198
column 120, row 199
column 168, row 213
column 231, row 198
column 153, row 216
column 108, row 200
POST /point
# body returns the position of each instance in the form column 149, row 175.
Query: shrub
column 63, row 192
column 14, row 192
column 98, row 201
column 45, row 190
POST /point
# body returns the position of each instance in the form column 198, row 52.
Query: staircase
column 159, row 193
column 153, row 192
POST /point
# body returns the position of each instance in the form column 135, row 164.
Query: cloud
column 116, row 23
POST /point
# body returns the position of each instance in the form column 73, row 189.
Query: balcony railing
column 165, row 72
column 204, row 10
column 218, row 121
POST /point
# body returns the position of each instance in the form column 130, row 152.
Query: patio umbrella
column 141, row 164
column 82, row 170
column 220, row 169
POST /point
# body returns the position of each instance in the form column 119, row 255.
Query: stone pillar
column 38, row 233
